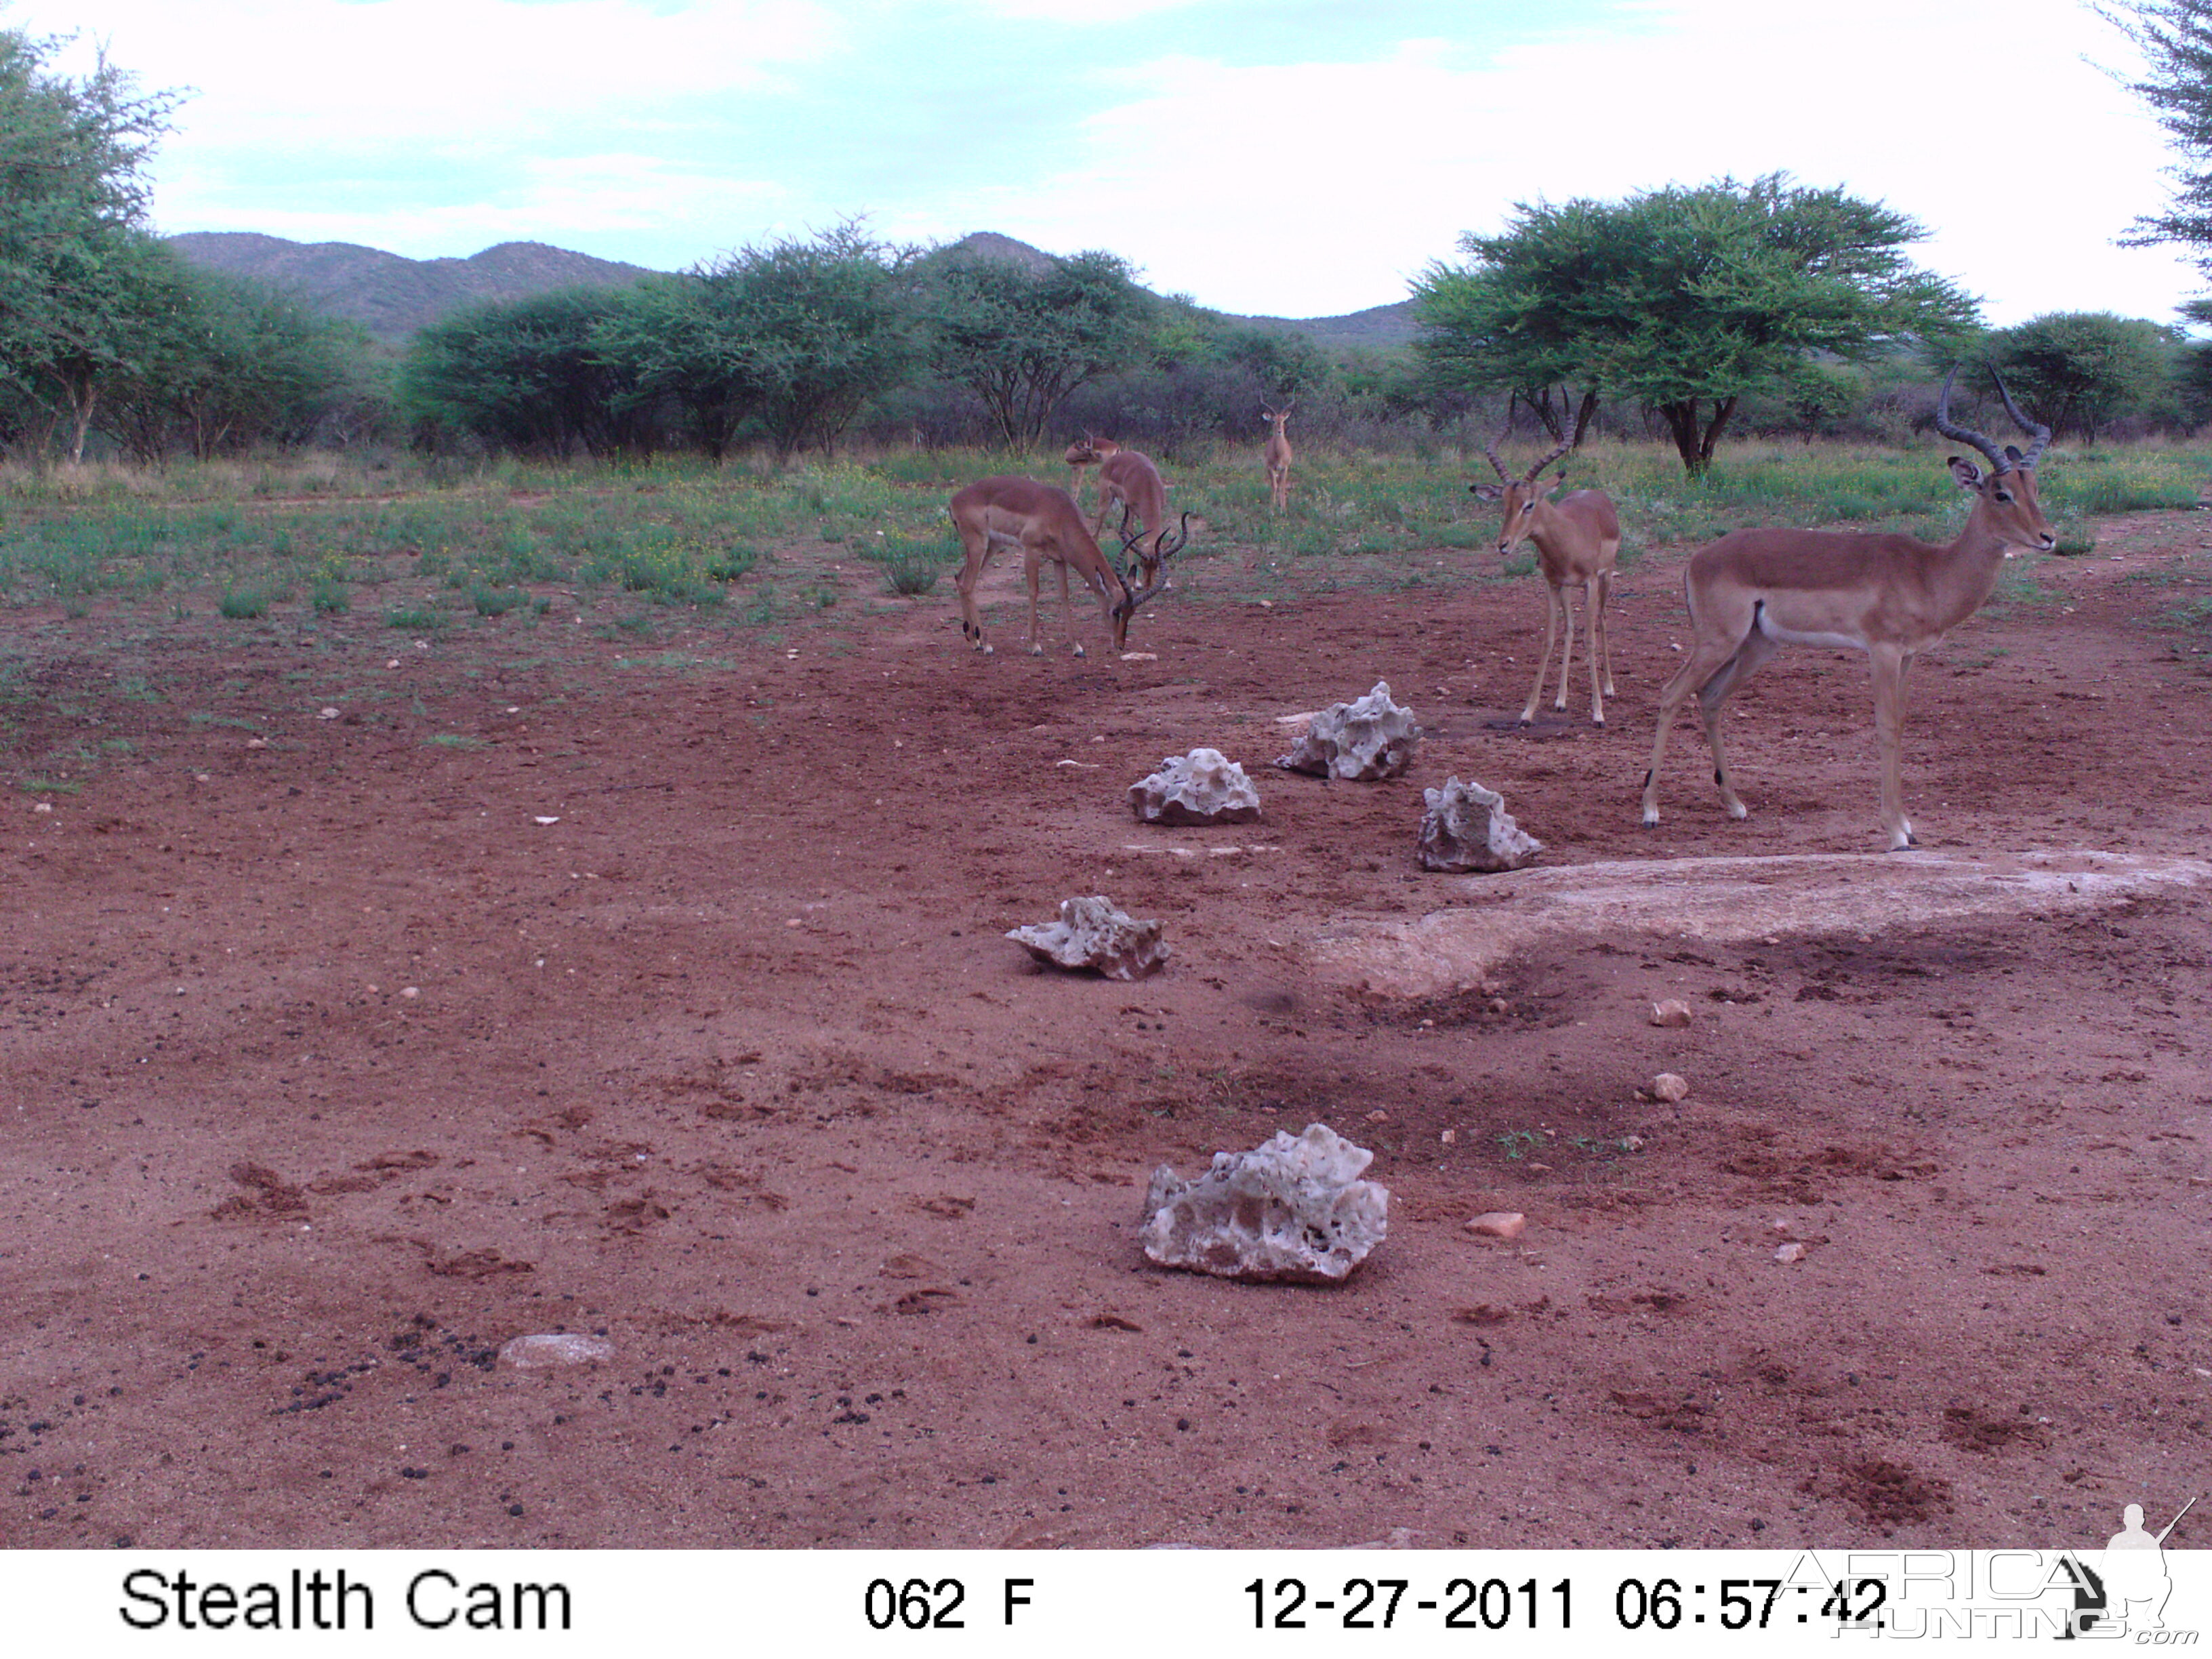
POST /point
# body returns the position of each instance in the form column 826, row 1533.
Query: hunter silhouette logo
column 2127, row 1591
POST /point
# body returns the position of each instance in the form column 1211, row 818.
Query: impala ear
column 1486, row 492
column 2013, row 456
column 1965, row 473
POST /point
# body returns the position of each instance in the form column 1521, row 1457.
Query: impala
column 1277, row 454
column 1577, row 538
column 1130, row 478
column 1045, row 524
column 1754, row 591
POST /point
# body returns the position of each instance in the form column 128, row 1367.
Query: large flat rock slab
column 1726, row 899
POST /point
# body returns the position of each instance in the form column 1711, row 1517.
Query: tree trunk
column 1584, row 416
column 1694, row 441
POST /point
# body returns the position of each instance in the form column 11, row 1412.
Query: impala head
column 2010, row 504
column 1088, row 451
column 1519, row 495
column 1152, row 576
column 1275, row 417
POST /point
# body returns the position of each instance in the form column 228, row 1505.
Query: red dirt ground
column 330, row 1067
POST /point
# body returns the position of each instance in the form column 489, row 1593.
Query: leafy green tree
column 1023, row 340
column 2175, row 39
column 531, row 375
column 1682, row 299
column 2082, row 370
column 817, row 327
column 75, row 256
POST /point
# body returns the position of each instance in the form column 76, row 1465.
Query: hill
column 390, row 295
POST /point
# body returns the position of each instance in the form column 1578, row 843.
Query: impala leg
column 1704, row 664
column 1890, row 665
column 1594, row 623
column 1567, row 655
column 1554, row 602
column 1068, row 607
column 1030, row 560
column 979, row 555
column 1714, row 694
column 1601, row 631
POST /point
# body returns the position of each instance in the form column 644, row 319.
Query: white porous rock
column 1204, row 786
column 1363, row 740
column 1092, row 933
column 1293, row 1209
column 1467, row 830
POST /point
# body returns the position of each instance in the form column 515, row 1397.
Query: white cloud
column 1318, row 188
column 1295, row 188
column 304, row 73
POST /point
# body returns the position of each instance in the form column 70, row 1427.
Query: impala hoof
column 1037, row 651
column 1739, row 810
column 1079, row 650
column 1598, row 721
column 986, row 650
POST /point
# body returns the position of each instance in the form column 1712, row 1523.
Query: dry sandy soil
column 672, row 1004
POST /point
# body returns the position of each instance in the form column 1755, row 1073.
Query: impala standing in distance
column 1130, row 478
column 1277, row 454
column 1045, row 523
column 1577, row 538
column 1754, row 591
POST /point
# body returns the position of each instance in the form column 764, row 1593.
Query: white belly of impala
column 1775, row 630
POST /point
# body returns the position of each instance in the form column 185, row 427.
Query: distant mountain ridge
column 392, row 295
column 389, row 295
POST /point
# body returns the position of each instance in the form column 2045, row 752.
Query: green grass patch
column 454, row 740
column 414, row 619
column 244, row 603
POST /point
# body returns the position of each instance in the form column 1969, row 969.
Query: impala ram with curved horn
column 1044, row 522
column 1755, row 591
column 1130, row 478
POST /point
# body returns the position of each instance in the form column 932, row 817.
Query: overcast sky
column 1278, row 157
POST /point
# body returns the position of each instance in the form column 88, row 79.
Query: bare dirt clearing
column 544, row 987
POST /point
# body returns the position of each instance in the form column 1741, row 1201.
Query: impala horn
column 1966, row 436
column 1491, row 450
column 2038, row 436
column 1559, row 449
column 1141, row 596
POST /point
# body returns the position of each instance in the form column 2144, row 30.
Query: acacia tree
column 2083, row 368
column 73, row 251
column 1022, row 339
column 2175, row 38
column 1684, row 299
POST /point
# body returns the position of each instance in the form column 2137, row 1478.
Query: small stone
column 1092, row 933
column 1449, row 1137
column 545, row 823
column 1668, row 1087
column 1204, row 786
column 564, row 1348
column 257, row 742
column 410, row 992
column 1672, row 1012
column 1467, row 830
column 1293, row 1209
column 44, row 807
column 1787, row 1253
column 1499, row 1224
column 1539, row 1169
column 326, row 715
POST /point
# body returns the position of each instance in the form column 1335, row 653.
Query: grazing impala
column 1577, row 538
column 1130, row 478
column 1045, row 524
column 1754, row 591
column 1277, row 454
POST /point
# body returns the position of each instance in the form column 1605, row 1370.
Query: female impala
column 1577, row 538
